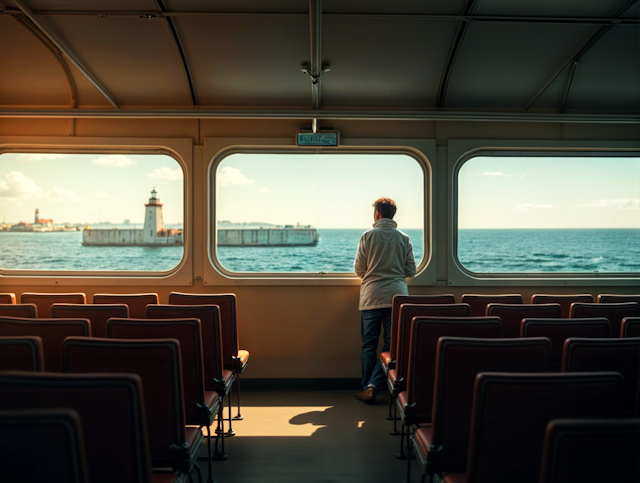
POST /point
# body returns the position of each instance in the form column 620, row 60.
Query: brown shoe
column 367, row 395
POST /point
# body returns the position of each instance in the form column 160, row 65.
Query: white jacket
column 383, row 261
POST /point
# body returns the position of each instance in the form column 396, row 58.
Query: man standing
column 383, row 261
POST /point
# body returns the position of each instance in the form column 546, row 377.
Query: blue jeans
column 371, row 320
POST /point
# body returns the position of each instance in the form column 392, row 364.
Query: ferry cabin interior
column 441, row 81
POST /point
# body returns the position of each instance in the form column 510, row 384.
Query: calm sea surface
column 481, row 251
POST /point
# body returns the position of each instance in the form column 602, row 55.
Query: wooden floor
column 308, row 436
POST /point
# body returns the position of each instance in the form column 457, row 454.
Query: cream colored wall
column 303, row 331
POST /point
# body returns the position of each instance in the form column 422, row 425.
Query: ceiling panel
column 246, row 6
column 449, row 7
column 609, row 76
column 88, row 5
column 88, row 94
column 384, row 63
column 550, row 8
column 551, row 99
column 249, row 60
column 502, row 65
column 135, row 59
column 31, row 75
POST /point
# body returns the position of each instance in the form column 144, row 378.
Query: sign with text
column 321, row 138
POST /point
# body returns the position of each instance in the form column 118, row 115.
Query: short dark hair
column 386, row 207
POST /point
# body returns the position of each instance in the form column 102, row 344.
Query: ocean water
column 483, row 251
column 557, row 250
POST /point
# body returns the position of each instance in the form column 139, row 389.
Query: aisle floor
column 308, row 436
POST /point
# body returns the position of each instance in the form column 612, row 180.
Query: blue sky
column 326, row 191
column 88, row 188
column 549, row 192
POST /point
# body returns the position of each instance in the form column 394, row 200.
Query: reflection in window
column 549, row 214
column 90, row 212
column 305, row 213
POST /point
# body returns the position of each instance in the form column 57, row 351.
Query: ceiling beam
column 177, row 41
column 67, row 52
column 454, row 50
column 577, row 58
column 351, row 115
column 397, row 16
column 315, row 29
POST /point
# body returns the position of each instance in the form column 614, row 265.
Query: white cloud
column 166, row 173
column 114, row 160
column 494, row 173
column 232, row 176
column 17, row 186
column 265, row 190
column 532, row 206
column 38, row 156
column 618, row 203
column 61, row 194
column 102, row 195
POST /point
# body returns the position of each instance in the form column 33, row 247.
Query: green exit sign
column 326, row 138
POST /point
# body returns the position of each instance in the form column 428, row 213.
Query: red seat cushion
column 455, row 478
column 385, row 358
column 424, row 437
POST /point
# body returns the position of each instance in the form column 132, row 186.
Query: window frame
column 462, row 151
column 181, row 150
column 217, row 149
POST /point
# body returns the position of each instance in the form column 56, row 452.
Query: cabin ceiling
column 510, row 56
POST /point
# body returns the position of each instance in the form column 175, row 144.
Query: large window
column 90, row 212
column 305, row 213
column 543, row 214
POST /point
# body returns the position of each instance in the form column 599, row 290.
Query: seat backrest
column 26, row 311
column 512, row 315
column 137, row 302
column 98, row 314
column 59, row 437
column 565, row 301
column 407, row 313
column 617, row 355
column 22, row 353
column 558, row 330
column 110, row 408
column 459, row 360
column 53, row 332
column 44, row 301
column 609, row 298
column 399, row 300
column 511, row 412
column 479, row 302
column 7, row 298
column 209, row 316
column 421, row 359
column 157, row 363
column 630, row 327
column 228, row 318
column 188, row 333
column 614, row 312
column 580, row 450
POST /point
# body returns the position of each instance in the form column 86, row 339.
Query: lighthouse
column 153, row 221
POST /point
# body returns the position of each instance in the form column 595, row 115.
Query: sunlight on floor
column 280, row 421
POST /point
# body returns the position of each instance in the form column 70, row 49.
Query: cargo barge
column 287, row 236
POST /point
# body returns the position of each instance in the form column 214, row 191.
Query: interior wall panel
column 34, row 127
column 496, row 130
column 171, row 128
